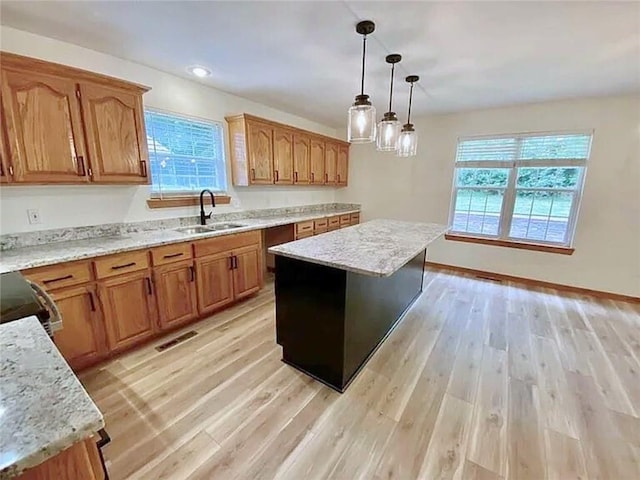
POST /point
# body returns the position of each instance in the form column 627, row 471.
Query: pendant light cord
column 410, row 99
column 364, row 52
column 393, row 67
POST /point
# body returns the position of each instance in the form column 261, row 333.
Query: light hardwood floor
column 481, row 380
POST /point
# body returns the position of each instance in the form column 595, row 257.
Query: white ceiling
column 304, row 57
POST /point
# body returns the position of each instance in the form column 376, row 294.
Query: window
column 520, row 188
column 186, row 155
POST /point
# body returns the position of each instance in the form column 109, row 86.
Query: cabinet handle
column 11, row 170
column 82, row 171
column 192, row 272
column 326, row 178
column 312, row 179
column 173, row 255
column 143, row 165
column 276, row 172
column 231, row 263
column 295, row 176
column 118, row 267
column 92, row 302
column 149, row 287
column 338, row 178
column 235, row 262
column 253, row 174
column 66, row 277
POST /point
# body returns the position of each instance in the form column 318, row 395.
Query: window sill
column 511, row 244
column 186, row 201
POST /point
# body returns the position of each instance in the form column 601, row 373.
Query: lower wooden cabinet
column 176, row 293
column 246, row 271
column 214, row 281
column 81, row 461
column 82, row 341
column 129, row 305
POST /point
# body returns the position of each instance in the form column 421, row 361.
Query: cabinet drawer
column 317, row 231
column 320, row 223
column 224, row 243
column 304, row 227
column 345, row 220
column 300, row 236
column 355, row 218
column 62, row 275
column 171, row 253
column 121, row 263
column 333, row 223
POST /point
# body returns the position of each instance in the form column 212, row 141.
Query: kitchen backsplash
column 29, row 239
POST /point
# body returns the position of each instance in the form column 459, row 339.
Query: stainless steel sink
column 224, row 226
column 195, row 229
column 207, row 228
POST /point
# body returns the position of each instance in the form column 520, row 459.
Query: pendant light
column 362, row 115
column 389, row 126
column 408, row 141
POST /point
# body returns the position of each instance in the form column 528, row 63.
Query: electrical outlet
column 34, row 216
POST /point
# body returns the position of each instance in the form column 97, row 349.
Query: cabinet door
column 176, row 293
column 283, row 156
column 260, row 139
column 331, row 163
column 246, row 272
column 317, row 161
column 301, row 159
column 44, row 128
column 343, row 166
column 128, row 302
column 5, row 174
column 82, row 339
column 214, row 282
column 116, row 137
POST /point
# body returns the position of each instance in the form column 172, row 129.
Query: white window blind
column 519, row 187
column 186, row 155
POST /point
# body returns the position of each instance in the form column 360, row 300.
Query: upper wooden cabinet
column 283, row 156
column 317, row 161
column 301, row 159
column 265, row 152
column 117, row 141
column 63, row 125
column 343, row 166
column 44, row 127
column 260, row 153
column 331, row 162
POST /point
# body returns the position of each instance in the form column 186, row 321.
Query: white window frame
column 190, row 193
column 508, row 201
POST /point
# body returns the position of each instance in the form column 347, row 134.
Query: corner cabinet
column 62, row 125
column 269, row 153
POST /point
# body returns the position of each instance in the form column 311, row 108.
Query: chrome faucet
column 203, row 217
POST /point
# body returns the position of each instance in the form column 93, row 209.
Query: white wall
column 68, row 206
column 607, row 240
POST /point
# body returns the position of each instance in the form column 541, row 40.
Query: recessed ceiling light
column 199, row 71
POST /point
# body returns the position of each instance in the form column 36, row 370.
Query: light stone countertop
column 376, row 248
column 59, row 252
column 43, row 407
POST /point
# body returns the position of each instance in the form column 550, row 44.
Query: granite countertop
column 43, row 407
column 59, row 252
column 377, row 248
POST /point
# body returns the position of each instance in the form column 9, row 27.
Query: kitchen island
column 340, row 294
column 47, row 419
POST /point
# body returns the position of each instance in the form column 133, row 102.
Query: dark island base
column 330, row 321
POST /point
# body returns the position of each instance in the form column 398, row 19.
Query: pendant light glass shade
column 388, row 133
column 389, row 126
column 362, row 115
column 362, row 122
column 408, row 141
